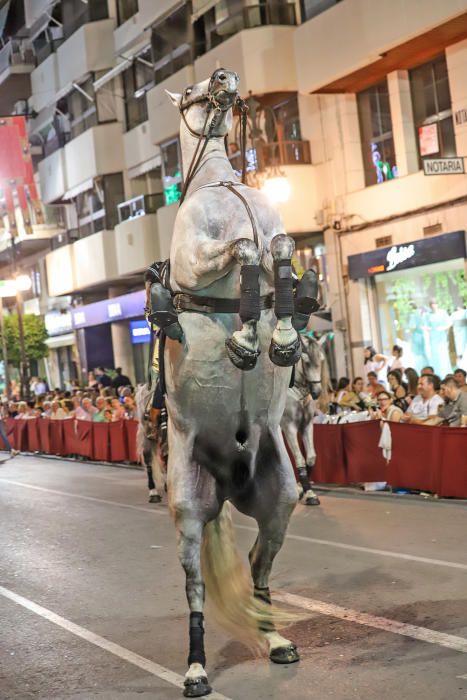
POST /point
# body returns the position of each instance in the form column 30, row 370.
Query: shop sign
column 57, row 322
column 460, row 116
column 443, row 166
column 139, row 332
column 105, row 311
column 428, row 139
column 449, row 246
column 398, row 255
column 114, row 309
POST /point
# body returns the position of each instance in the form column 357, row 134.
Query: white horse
column 229, row 256
column 149, row 448
column 310, row 380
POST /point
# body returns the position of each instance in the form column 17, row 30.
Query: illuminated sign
column 399, row 254
column 139, row 332
column 428, row 139
column 114, row 309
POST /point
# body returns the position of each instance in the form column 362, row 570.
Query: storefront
column 417, row 296
column 61, row 365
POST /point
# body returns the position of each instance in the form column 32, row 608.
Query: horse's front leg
column 285, row 344
column 304, row 486
column 311, row 499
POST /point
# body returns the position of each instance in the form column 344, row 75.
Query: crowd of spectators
column 400, row 395
column 104, row 399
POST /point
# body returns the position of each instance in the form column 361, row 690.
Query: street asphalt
column 92, row 600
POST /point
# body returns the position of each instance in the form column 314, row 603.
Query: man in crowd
column 460, row 377
column 455, row 405
column 427, row 370
column 102, row 377
column 424, row 408
column 120, row 379
column 85, row 411
column 99, row 415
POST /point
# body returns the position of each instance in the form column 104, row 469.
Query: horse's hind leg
column 285, row 343
column 304, row 486
column 311, row 499
column 153, row 494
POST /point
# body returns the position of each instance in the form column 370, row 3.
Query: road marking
column 146, row 664
column 422, row 634
column 289, row 536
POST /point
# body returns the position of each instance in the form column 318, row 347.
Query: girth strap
column 214, row 305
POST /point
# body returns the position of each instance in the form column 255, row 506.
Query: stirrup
column 241, row 357
column 285, row 355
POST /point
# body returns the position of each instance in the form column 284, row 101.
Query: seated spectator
column 57, row 412
column 99, row 416
column 455, row 402
column 85, row 411
column 119, row 379
column 354, row 399
column 412, row 383
column 386, row 409
column 424, row 408
column 46, row 409
column 25, row 411
column 373, row 387
column 460, row 377
column 398, row 389
column 427, row 370
column 343, row 386
column 108, row 417
column 118, row 410
column 129, row 406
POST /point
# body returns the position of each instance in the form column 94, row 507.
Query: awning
column 82, row 187
column 43, row 119
column 60, row 341
column 144, row 167
column 125, row 62
column 200, row 7
column 3, row 15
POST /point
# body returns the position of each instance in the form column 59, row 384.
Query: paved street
column 92, row 601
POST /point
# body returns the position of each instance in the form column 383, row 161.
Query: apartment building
column 347, row 99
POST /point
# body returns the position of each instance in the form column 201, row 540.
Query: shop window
column 374, row 113
column 424, row 312
column 172, row 42
column 431, row 100
column 126, row 9
column 137, row 79
column 171, row 171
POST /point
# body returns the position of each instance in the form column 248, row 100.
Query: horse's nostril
column 222, row 76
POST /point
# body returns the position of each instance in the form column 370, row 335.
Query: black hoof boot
column 197, row 688
column 241, row 357
column 155, row 498
column 285, row 356
column 312, row 501
column 285, row 655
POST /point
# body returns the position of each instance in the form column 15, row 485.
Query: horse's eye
column 188, row 91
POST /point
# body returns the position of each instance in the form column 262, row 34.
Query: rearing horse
column 229, row 255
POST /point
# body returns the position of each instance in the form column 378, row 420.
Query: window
column 431, row 100
column 172, row 42
column 75, row 13
column 379, row 157
column 81, row 108
column 311, row 8
column 137, row 79
column 97, row 208
column 126, row 9
column 171, row 171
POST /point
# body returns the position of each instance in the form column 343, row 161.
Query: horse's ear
column 322, row 340
column 175, row 98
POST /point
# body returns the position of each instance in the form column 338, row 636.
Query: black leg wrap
column 264, row 594
column 250, row 305
column 196, row 654
column 303, row 478
column 283, row 285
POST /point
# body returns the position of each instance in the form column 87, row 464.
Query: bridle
column 307, row 386
column 215, row 107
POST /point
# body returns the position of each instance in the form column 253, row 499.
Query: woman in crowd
column 343, row 386
column 398, row 388
column 386, row 409
column 92, row 381
column 373, row 387
column 397, row 362
column 412, row 382
column 374, row 362
column 354, row 399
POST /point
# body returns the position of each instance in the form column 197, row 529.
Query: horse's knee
column 282, row 247
column 245, row 252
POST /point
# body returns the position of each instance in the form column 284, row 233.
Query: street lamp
column 277, row 189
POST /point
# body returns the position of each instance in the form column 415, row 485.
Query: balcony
column 139, row 148
column 60, row 271
column 137, row 235
column 150, row 11
column 273, row 154
column 263, row 57
column 89, row 49
column 100, row 248
column 97, row 151
column 16, row 63
column 44, row 83
column 53, row 182
column 163, row 116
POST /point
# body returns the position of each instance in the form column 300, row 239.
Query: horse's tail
column 229, row 588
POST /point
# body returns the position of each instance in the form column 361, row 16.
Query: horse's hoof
column 196, row 688
column 312, row 501
column 155, row 498
column 285, row 356
column 285, row 655
column 241, row 357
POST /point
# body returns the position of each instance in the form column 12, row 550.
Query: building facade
column 351, row 103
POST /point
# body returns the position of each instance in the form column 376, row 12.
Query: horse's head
column 312, row 361
column 206, row 107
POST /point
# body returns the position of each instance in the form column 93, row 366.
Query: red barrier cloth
column 21, row 434
column 10, row 425
column 365, row 461
column 416, row 457
column 131, row 427
column 454, row 463
column 70, row 437
column 56, row 437
column 33, row 435
column 84, row 432
column 118, row 442
column 100, row 442
column 44, row 435
column 330, row 467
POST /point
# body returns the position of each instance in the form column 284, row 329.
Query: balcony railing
column 266, row 155
column 89, row 13
column 15, row 53
column 44, row 48
column 139, row 206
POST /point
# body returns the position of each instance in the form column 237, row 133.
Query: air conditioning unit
column 20, row 108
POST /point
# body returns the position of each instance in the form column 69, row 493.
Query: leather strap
column 214, row 305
